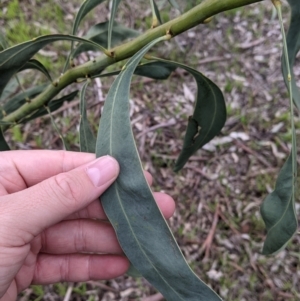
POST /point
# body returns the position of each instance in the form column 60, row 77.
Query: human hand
column 52, row 225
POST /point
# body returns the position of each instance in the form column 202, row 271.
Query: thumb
column 32, row 210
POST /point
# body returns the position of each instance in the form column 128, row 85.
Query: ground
column 218, row 194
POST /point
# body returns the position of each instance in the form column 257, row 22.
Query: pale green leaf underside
column 86, row 136
column 14, row 58
column 130, row 206
column 278, row 211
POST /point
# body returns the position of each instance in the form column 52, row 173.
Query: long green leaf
column 84, row 9
column 156, row 70
column 208, row 118
column 130, row 206
column 35, row 64
column 86, row 136
column 99, row 34
column 155, row 14
column 3, row 144
column 14, row 58
column 278, row 209
column 53, row 106
column 293, row 44
column 114, row 7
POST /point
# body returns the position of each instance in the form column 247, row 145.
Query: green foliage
column 278, row 211
column 129, row 204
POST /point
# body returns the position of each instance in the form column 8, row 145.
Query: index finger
column 34, row 166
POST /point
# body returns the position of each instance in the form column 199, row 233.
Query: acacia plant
column 129, row 204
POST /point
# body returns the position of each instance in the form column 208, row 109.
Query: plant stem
column 188, row 20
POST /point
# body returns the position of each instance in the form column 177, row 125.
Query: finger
column 32, row 210
column 148, row 177
column 78, row 236
column 165, row 203
column 35, row 166
column 78, row 268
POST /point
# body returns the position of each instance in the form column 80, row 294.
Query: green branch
column 190, row 19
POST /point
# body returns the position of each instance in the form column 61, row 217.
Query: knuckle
column 66, row 188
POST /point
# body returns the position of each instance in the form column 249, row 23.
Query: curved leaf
column 35, row 64
column 18, row 100
column 156, row 70
column 278, row 211
column 208, row 118
column 114, row 7
column 53, row 105
column 130, row 206
column 86, row 136
column 293, row 44
column 84, row 9
column 99, row 34
column 14, row 58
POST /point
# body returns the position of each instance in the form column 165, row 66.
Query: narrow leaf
column 114, row 7
column 14, row 58
column 99, row 34
column 53, row 105
column 35, row 64
column 155, row 14
column 86, row 136
column 156, row 69
column 208, row 118
column 293, row 45
column 84, row 9
column 278, row 211
column 3, row 144
column 130, row 206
